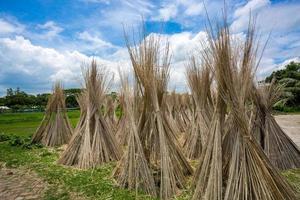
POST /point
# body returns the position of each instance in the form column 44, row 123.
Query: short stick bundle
column 133, row 171
column 280, row 149
column 93, row 142
column 55, row 128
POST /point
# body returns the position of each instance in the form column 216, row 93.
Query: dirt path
column 18, row 184
column 291, row 125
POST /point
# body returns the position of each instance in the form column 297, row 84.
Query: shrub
column 14, row 140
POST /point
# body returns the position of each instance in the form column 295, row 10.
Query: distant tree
column 289, row 77
column 9, row 92
column 2, row 101
column 292, row 70
column 71, row 101
column 41, row 99
column 19, row 98
column 71, row 95
column 72, row 91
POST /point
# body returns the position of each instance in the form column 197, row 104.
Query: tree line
column 17, row 99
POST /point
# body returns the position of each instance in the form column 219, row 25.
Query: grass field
column 24, row 124
column 89, row 184
column 64, row 181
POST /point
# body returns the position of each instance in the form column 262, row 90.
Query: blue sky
column 45, row 40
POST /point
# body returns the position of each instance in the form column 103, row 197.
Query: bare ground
column 17, row 184
column 291, row 126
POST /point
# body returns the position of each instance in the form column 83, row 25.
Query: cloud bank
column 34, row 55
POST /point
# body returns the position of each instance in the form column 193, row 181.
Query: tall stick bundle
column 133, row 171
column 280, row 149
column 156, row 133
column 55, row 128
column 168, row 105
column 183, row 111
column 123, row 127
column 250, row 174
column 208, row 178
column 200, row 84
column 110, row 112
column 93, row 142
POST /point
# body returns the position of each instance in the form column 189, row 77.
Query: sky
column 42, row 41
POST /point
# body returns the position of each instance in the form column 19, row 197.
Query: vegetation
column 289, row 77
column 91, row 184
column 19, row 100
column 65, row 181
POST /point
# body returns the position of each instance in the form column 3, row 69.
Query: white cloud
column 280, row 18
column 45, row 65
column 94, row 40
column 24, row 58
column 251, row 6
column 186, row 44
column 167, row 12
column 50, row 30
column 242, row 14
column 140, row 5
column 96, row 1
column 93, row 44
column 9, row 27
column 122, row 12
column 268, row 66
column 276, row 17
column 194, row 9
column 270, row 17
column 42, row 65
column 171, row 10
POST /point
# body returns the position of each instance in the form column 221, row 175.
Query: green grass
column 25, row 124
column 287, row 110
column 63, row 181
column 91, row 184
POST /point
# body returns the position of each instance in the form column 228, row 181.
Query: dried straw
column 156, row 133
column 280, row 149
column 133, row 171
column 250, row 174
column 55, row 128
column 110, row 113
column 199, row 80
column 93, row 142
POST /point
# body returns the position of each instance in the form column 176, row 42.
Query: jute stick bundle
column 93, row 142
column 151, row 63
column 133, row 171
column 250, row 174
column 55, row 129
column 280, row 149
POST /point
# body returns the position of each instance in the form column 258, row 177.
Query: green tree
column 41, row 99
column 71, row 97
column 289, row 77
column 2, row 101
